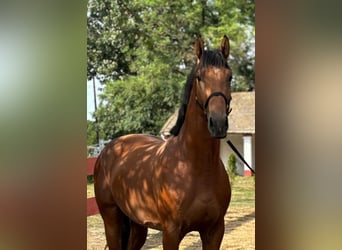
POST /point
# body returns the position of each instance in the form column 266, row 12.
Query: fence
column 92, row 208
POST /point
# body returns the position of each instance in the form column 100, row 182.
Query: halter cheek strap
column 204, row 108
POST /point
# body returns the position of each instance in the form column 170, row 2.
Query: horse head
column 212, row 83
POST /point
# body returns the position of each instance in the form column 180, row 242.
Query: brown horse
column 178, row 185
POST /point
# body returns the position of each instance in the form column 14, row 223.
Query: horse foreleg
column 212, row 236
column 113, row 220
column 171, row 239
column 137, row 236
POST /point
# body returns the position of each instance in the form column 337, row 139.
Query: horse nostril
column 211, row 124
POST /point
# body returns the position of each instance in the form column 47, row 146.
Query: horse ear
column 225, row 47
column 199, row 48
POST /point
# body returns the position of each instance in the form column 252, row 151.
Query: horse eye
column 198, row 78
column 230, row 78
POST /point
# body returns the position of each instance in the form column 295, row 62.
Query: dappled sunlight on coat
column 176, row 185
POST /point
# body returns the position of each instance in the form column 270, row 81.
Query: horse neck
column 194, row 134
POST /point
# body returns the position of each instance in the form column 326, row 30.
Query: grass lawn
column 243, row 191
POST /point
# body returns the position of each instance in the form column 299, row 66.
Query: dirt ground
column 239, row 233
column 239, row 228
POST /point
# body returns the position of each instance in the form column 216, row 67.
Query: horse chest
column 209, row 201
column 204, row 210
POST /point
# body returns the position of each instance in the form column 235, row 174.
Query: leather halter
column 205, row 106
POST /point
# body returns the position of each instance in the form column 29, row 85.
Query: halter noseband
column 204, row 108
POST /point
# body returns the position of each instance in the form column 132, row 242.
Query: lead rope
column 238, row 154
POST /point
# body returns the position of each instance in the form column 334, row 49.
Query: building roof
column 241, row 119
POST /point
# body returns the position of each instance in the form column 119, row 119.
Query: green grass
column 243, row 191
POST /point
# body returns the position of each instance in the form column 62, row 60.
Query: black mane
column 209, row 58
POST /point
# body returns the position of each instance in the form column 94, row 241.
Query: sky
column 90, row 98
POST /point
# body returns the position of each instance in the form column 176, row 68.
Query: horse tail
column 125, row 231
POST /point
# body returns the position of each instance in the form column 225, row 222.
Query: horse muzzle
column 217, row 125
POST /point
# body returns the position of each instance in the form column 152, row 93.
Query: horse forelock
column 213, row 58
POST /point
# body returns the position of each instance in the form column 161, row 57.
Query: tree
column 110, row 37
column 142, row 52
column 136, row 108
column 237, row 19
column 91, row 133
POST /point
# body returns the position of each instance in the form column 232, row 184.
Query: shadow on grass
column 232, row 225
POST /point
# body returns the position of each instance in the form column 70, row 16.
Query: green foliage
column 91, row 133
column 90, row 179
column 142, row 51
column 236, row 19
column 111, row 36
column 232, row 167
column 136, row 108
